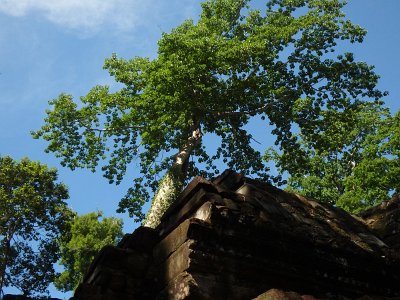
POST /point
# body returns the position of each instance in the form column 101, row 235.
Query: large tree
column 88, row 234
column 33, row 215
column 211, row 77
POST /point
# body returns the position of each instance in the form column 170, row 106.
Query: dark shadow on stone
column 238, row 238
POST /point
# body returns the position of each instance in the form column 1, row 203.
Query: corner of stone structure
column 238, row 238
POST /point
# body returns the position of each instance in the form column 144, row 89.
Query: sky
column 48, row 47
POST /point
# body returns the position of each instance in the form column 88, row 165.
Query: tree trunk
column 172, row 183
column 3, row 264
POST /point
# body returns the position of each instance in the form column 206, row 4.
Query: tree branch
column 113, row 129
column 241, row 113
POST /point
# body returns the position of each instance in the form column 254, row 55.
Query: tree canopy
column 354, row 165
column 212, row 77
column 87, row 235
column 33, row 216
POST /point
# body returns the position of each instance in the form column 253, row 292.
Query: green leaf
column 33, row 217
column 216, row 74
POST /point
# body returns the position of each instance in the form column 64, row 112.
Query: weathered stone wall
column 236, row 238
column 384, row 221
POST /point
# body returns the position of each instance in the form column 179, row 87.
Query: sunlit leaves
column 352, row 161
column 33, row 216
column 88, row 234
column 281, row 64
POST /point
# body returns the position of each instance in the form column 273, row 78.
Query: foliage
column 378, row 172
column 33, row 216
column 212, row 77
column 87, row 236
column 354, row 165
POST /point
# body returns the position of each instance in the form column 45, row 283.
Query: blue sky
column 53, row 46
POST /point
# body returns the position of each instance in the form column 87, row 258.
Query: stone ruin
column 238, row 238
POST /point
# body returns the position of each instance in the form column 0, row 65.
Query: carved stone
column 238, row 238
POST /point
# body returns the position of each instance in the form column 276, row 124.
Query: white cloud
column 87, row 15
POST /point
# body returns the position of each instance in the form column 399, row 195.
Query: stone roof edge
column 197, row 183
column 218, row 184
column 96, row 261
column 227, row 183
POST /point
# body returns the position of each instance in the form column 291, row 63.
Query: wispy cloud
column 87, row 15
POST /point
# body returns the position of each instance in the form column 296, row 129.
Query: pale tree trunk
column 172, row 183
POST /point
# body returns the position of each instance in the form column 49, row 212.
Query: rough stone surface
column 237, row 238
column 384, row 221
column 274, row 294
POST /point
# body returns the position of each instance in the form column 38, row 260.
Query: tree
column 354, row 165
column 86, row 237
column 377, row 174
column 212, row 77
column 33, row 216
